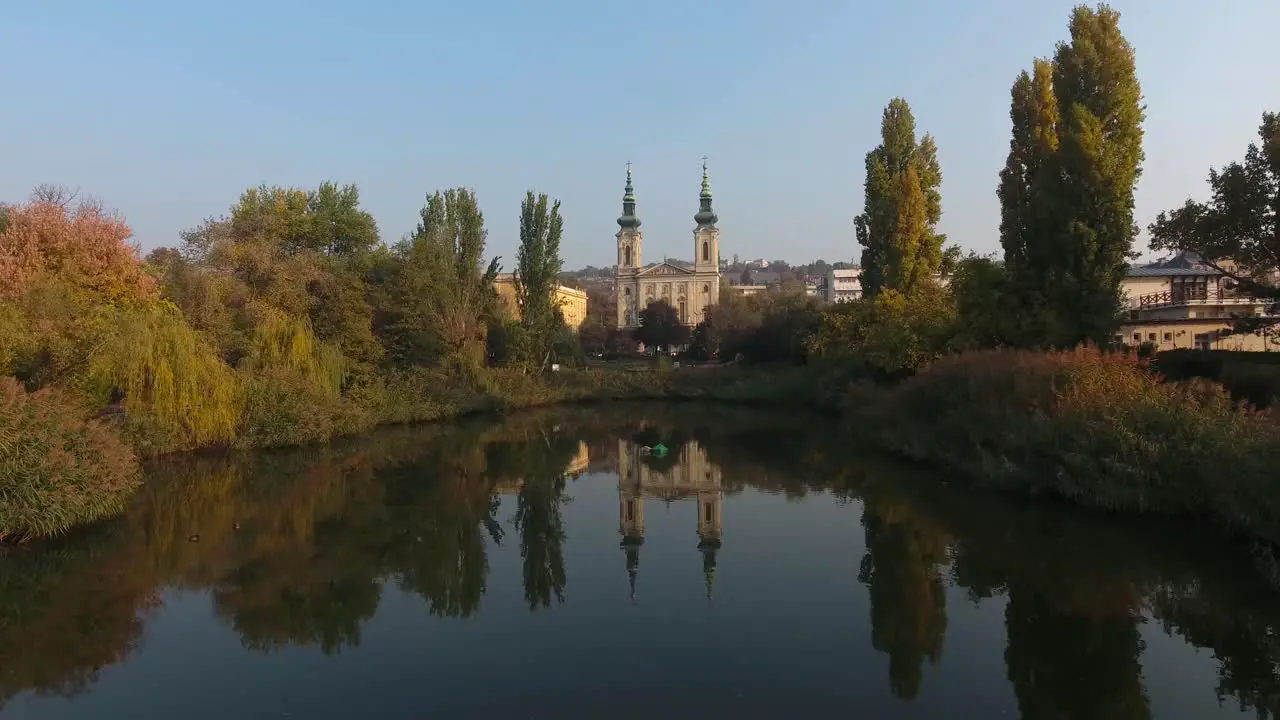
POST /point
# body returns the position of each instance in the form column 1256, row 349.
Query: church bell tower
column 706, row 236
column 630, row 239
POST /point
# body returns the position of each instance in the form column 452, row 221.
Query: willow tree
column 176, row 392
column 537, row 275
column 902, row 205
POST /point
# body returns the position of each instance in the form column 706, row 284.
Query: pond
column 548, row 565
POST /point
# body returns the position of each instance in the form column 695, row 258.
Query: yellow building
column 1182, row 303
column 573, row 302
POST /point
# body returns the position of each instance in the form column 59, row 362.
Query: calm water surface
column 544, row 566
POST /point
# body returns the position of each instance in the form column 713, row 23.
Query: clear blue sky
column 168, row 110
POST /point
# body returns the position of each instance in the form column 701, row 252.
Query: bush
column 1253, row 377
column 57, row 470
column 1100, row 429
column 284, row 406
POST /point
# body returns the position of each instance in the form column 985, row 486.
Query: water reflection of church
column 682, row 474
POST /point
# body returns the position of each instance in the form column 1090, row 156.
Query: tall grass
column 57, row 469
column 1100, row 429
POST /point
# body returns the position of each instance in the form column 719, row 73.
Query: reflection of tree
column 1241, row 627
column 908, row 600
column 295, row 547
column 441, row 511
column 542, row 537
column 67, row 611
column 540, row 464
column 1065, row 663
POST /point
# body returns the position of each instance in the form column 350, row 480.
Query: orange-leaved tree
column 84, row 246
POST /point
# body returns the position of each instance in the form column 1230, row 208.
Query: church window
column 626, row 291
column 709, row 511
column 628, row 255
column 706, row 250
column 684, row 318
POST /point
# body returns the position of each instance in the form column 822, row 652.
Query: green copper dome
column 628, row 219
column 705, row 215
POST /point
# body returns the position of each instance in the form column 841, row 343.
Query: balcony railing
column 1196, row 295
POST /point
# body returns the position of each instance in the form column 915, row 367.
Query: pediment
column 666, row 268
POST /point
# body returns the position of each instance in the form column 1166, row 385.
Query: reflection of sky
column 787, row 634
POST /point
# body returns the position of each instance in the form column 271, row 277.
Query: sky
column 167, row 110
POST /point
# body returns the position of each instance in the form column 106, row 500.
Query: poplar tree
column 441, row 292
column 901, row 206
column 1067, row 190
column 538, row 266
column 1028, row 264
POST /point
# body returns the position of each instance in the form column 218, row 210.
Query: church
column 690, row 288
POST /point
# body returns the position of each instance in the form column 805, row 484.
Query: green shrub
column 286, row 407
column 1097, row 428
column 57, row 469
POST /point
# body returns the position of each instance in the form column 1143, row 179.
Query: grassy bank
column 59, row 470
column 1101, row 430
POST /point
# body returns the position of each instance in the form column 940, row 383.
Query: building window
column 684, row 318
column 626, row 291
column 1151, row 337
column 706, row 250
column 1168, row 337
column 628, row 256
column 708, row 513
column 1137, row 337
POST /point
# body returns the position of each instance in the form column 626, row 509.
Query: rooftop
column 1183, row 264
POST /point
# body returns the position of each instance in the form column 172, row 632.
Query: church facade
column 690, row 288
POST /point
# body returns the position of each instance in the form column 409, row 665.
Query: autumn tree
column 660, row 326
column 538, row 266
column 1238, row 230
column 85, row 247
column 901, row 207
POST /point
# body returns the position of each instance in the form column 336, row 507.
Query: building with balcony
column 1183, row 303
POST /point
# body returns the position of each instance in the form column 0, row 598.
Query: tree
column 660, row 326
column 901, row 206
column 441, row 294
column 1238, row 230
column 1028, row 260
column 1088, row 195
column 85, row 247
column 991, row 307
column 327, row 220
column 537, row 275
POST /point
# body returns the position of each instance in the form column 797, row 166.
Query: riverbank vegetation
column 291, row 320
